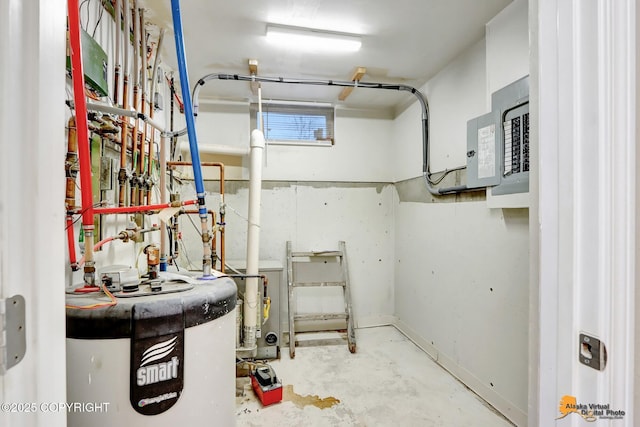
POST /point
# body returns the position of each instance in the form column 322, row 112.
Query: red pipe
column 82, row 124
column 98, row 246
column 145, row 208
column 72, row 244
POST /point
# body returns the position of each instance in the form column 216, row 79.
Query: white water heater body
column 161, row 360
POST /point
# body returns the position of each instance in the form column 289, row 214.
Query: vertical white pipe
column 126, row 11
column 260, row 124
column 116, row 14
column 154, row 73
column 163, row 199
column 145, row 59
column 136, row 49
column 253, row 239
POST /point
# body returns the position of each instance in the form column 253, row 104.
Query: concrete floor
column 388, row 382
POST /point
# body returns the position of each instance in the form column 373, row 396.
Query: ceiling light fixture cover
column 308, row 38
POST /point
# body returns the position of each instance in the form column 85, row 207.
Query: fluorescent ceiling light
column 311, row 39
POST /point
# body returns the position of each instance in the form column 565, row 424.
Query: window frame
column 305, row 108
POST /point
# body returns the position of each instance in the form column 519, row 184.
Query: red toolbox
column 267, row 386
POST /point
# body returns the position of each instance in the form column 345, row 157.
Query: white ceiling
column 404, row 41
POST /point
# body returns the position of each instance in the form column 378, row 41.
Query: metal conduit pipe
column 191, row 131
column 77, row 74
column 368, row 85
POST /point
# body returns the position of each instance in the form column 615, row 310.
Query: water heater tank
column 164, row 358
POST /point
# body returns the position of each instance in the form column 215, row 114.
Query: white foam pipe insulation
column 251, row 302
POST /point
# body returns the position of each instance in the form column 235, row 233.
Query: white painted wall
column 455, row 95
column 361, row 153
column 507, row 47
column 461, row 268
column 315, row 215
column 315, row 197
column 366, row 134
column 32, row 47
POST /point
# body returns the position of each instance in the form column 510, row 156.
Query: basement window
column 296, row 124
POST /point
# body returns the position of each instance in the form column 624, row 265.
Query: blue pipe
column 188, row 107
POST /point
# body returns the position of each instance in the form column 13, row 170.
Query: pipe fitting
column 122, row 176
column 90, row 273
column 132, row 231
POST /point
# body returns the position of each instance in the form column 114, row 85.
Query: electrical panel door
column 498, row 142
column 482, row 152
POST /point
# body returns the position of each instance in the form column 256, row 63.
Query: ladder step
column 316, row 284
column 314, row 254
column 320, row 316
column 319, row 267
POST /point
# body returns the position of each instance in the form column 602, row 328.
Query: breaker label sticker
column 487, row 151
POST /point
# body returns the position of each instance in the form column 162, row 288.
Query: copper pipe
column 150, row 157
column 71, row 170
column 71, row 165
column 172, row 165
column 124, row 133
column 213, row 164
column 134, row 151
column 136, row 101
column 213, row 241
column 116, row 83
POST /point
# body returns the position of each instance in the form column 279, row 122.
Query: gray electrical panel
column 498, row 142
column 482, row 152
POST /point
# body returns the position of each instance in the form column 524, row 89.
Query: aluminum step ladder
column 319, row 269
